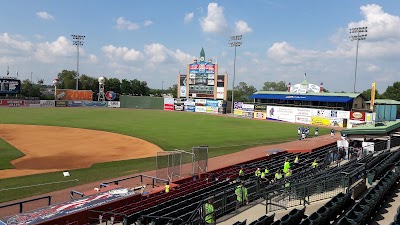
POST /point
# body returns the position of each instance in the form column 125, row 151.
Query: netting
column 200, row 159
column 172, row 165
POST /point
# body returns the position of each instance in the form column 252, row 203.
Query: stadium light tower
column 234, row 41
column 357, row 34
column 78, row 41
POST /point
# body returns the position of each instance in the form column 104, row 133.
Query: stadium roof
column 381, row 128
column 385, row 102
column 311, row 96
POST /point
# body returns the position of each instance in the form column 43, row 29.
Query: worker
column 258, row 172
column 266, row 171
column 286, row 165
column 287, row 175
column 167, row 187
column 278, row 175
column 314, row 164
column 241, row 173
column 209, row 212
column 241, row 195
column 296, row 160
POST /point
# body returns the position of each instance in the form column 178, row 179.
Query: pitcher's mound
column 48, row 148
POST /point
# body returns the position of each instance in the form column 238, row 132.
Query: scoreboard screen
column 10, row 86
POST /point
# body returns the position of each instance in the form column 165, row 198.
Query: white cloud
column 123, row 24
column 45, row 15
column 38, row 36
column 121, row 53
column 284, row 53
column 156, row 52
column 188, row 17
column 215, row 21
column 148, row 23
column 47, row 51
column 14, row 42
column 241, row 27
column 373, row 68
column 93, row 58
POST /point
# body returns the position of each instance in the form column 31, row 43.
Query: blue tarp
column 303, row 98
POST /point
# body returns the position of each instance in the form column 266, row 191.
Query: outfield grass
column 8, row 153
column 169, row 130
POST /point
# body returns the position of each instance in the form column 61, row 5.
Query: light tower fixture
column 234, row 41
column 78, row 41
column 357, row 34
column 101, row 97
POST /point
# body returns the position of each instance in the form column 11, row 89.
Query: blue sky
column 154, row 40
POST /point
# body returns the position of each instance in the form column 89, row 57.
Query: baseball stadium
column 155, row 160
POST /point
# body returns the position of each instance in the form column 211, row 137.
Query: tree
column 173, row 90
column 112, row 84
column 392, row 92
column 367, row 94
column 273, row 86
column 30, row 90
column 88, row 83
column 126, row 87
column 242, row 93
column 67, row 79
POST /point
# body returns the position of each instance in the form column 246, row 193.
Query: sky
column 155, row 40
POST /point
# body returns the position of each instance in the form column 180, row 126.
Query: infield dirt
column 49, row 148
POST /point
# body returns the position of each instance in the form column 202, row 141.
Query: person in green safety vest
column 287, row 175
column 262, row 175
column 209, row 212
column 278, row 175
column 241, row 172
column 241, row 195
column 167, row 187
column 296, row 160
column 314, row 164
column 266, row 171
column 286, row 165
column 258, row 172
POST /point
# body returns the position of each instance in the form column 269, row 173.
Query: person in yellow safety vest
column 258, row 172
column 278, row 175
column 266, row 171
column 241, row 195
column 167, row 187
column 296, row 160
column 241, row 173
column 286, row 166
column 262, row 175
column 209, row 212
column 287, row 175
column 314, row 164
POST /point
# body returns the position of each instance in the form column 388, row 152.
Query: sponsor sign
column 67, row 208
column 61, row 103
column 190, row 108
column 303, row 119
column 321, row 112
column 74, row 103
column 220, row 92
column 212, row 109
column 210, row 82
column 190, row 102
column 10, row 86
column 359, row 116
column 169, row 104
column 336, row 122
column 12, row 103
column 210, row 76
column 47, row 103
column 343, row 114
column 260, row 115
column 260, row 108
column 321, row 121
column 201, row 102
column 214, row 103
column 238, row 105
column 110, row 95
column 281, row 113
column 201, row 109
column 182, row 85
column 94, row 104
column 32, row 103
column 373, row 89
column 114, row 104
column 178, row 107
column 67, row 94
column 238, row 112
column 248, row 114
column 303, row 112
column 248, row 107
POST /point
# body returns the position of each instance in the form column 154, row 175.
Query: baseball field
column 37, row 144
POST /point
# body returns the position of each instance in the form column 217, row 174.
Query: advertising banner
column 169, row 104
column 47, row 103
column 371, row 107
column 321, row 112
column 94, row 104
column 190, row 108
column 238, row 112
column 182, row 86
column 238, row 105
column 321, row 121
column 220, row 92
column 260, row 108
column 212, row 109
column 281, row 113
column 248, row 107
column 303, row 119
column 190, row 102
column 260, row 115
column 61, row 103
column 201, row 102
column 341, row 114
column 336, row 122
column 67, row 94
column 11, row 103
column 248, row 114
column 178, row 107
column 32, row 103
column 359, row 116
column 74, row 103
column 303, row 112
column 214, row 103
column 201, row 109
column 110, row 95
column 114, row 104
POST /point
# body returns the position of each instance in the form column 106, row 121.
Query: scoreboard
column 9, row 86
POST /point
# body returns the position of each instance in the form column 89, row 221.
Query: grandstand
column 352, row 191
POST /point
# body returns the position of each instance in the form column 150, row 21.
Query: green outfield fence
column 141, row 102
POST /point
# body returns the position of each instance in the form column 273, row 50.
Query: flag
column 8, row 70
column 17, row 73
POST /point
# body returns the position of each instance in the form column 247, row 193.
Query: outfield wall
column 195, row 105
column 312, row 116
column 141, row 102
column 58, row 103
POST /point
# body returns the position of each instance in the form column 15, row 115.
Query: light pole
column 234, row 41
column 162, row 87
column 78, row 41
column 357, row 34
